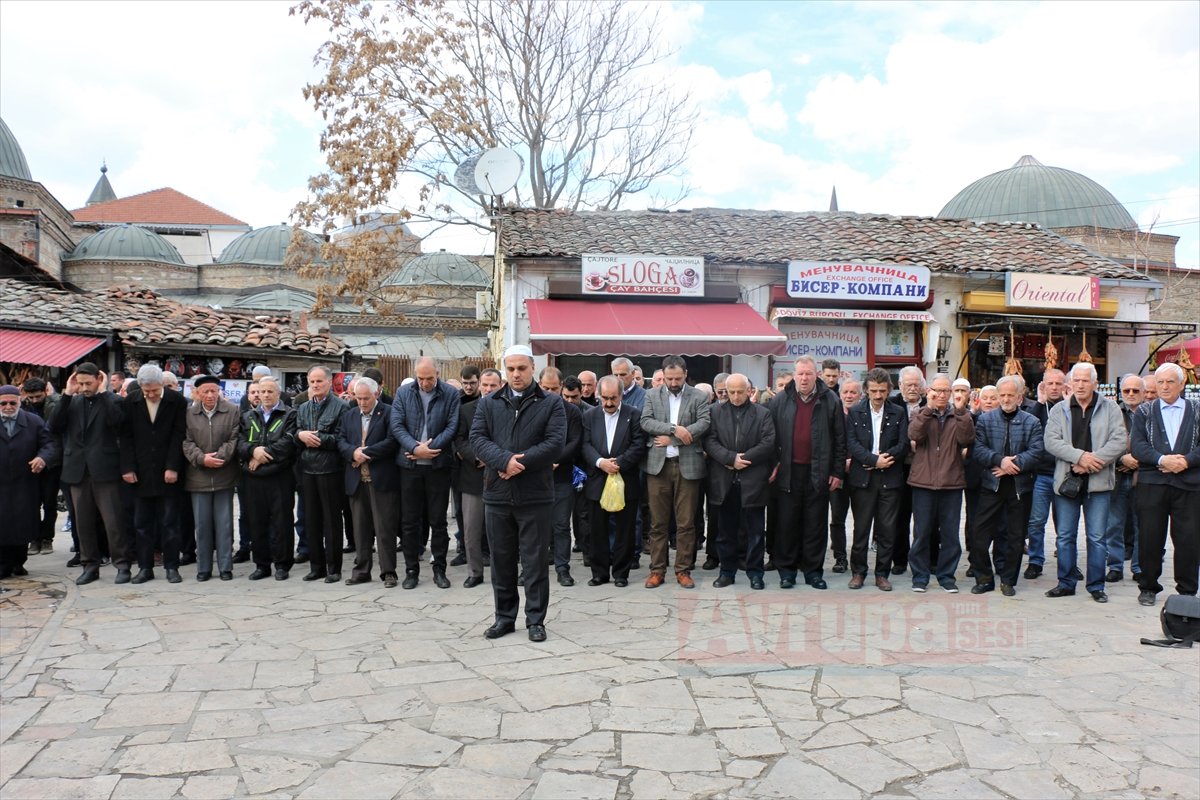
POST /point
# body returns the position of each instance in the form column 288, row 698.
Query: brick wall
column 97, row 275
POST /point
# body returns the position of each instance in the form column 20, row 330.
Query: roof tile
column 158, row 207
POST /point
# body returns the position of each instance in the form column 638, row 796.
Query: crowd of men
column 538, row 467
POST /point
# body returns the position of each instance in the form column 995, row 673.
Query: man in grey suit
column 675, row 419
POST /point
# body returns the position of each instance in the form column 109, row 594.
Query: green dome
column 126, row 243
column 12, row 158
column 266, row 247
column 440, row 268
column 1031, row 192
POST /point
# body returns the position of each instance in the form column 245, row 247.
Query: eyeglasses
column 9, row 402
column 1131, row 391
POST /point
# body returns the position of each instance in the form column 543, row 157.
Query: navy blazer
column 629, row 447
column 1149, row 443
column 893, row 440
column 408, row 419
column 381, row 448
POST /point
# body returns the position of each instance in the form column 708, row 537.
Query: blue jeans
column 1119, row 504
column 1094, row 506
column 1039, row 515
column 214, row 527
column 936, row 512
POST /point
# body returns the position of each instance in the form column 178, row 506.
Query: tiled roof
column 731, row 236
column 143, row 319
column 159, row 207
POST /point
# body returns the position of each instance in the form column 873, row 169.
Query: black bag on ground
column 1180, row 622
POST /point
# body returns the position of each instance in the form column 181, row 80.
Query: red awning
column 1171, row 352
column 583, row 327
column 45, row 349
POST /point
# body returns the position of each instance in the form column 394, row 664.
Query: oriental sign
column 1035, row 290
column 858, row 282
column 612, row 275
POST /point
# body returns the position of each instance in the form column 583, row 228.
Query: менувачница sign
column 862, row 283
column 617, row 274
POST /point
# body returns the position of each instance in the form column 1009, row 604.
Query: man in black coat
column 741, row 446
column 877, row 443
column 470, row 480
column 266, row 449
column 518, row 432
column 37, row 400
column 551, row 382
column 372, row 482
column 613, row 444
column 152, row 462
column 26, row 447
column 318, row 421
column 89, row 418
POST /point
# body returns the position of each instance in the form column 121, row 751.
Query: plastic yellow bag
column 612, row 499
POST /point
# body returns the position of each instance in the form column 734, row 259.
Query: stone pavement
column 290, row 689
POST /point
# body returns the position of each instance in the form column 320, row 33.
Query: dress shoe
column 1147, row 598
column 787, row 583
column 1113, row 576
column 333, row 577
column 757, row 583
column 770, row 566
column 459, row 560
column 186, row 559
column 19, row 571
column 920, row 588
column 499, row 629
column 970, row 572
column 143, row 576
column 637, row 564
column 226, row 575
column 1137, row 576
column 856, row 582
column 203, row 576
column 1060, row 591
column 315, row 575
column 487, row 559
column 684, row 579
column 35, row 547
column 722, row 581
column 87, row 576
column 882, row 583
column 840, row 565
column 597, row 581
column 410, row 581
column 710, row 563
column 899, row 569
column 123, row 576
column 983, row 588
column 1007, row 590
column 440, row 580
column 281, row 574
column 654, row 580
column 47, row 547
column 587, row 562
column 355, row 580
column 1076, row 574
column 173, row 576
column 537, row 633
column 1099, row 596
column 950, row 587
column 241, row 556
column 1033, row 571
column 818, row 583
column 348, row 548
column 301, row 558
column 472, row 581
column 565, row 579
column 75, row 560
column 621, row 583
column 259, row 574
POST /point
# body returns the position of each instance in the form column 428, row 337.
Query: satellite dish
column 492, row 172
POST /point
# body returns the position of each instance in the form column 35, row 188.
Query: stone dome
column 12, row 157
column 266, row 247
column 1052, row 197
column 126, row 243
column 440, row 268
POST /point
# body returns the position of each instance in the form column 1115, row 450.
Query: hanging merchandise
column 1051, row 352
column 1013, row 365
column 1084, row 356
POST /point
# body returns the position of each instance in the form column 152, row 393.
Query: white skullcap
column 519, row 350
column 260, row 371
column 961, row 382
column 407, row 381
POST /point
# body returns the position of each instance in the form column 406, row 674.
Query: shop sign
column 786, row 312
column 1035, row 290
column 858, row 282
column 845, row 343
column 609, row 275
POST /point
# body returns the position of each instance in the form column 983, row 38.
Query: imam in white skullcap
column 961, row 382
column 519, row 350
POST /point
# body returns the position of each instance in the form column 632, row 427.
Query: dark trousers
column 564, row 507
column 13, row 555
column 582, row 523
column 900, row 546
column 800, row 542
column 323, row 498
column 519, row 535
column 187, row 528
column 735, row 517
column 839, row 506
column 456, row 499
column 937, row 514
column 1002, row 517
column 424, row 495
column 875, row 512
column 348, row 522
column 95, row 501
column 269, row 501
column 156, row 522
column 245, row 537
column 48, row 486
column 1158, row 504
column 618, row 560
column 712, row 524
column 375, row 518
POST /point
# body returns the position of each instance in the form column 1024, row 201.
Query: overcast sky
column 899, row 105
